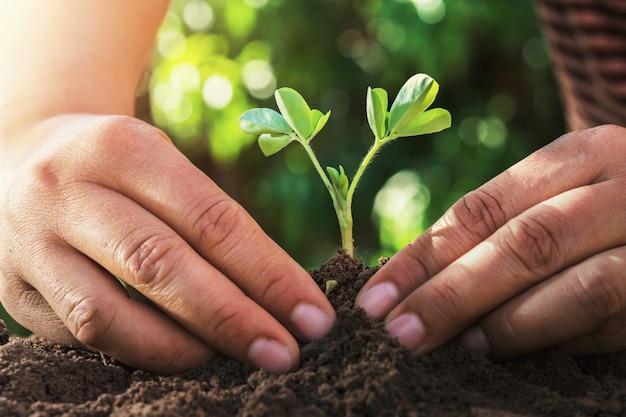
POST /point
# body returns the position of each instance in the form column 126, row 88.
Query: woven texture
column 587, row 40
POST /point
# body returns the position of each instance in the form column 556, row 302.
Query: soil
column 354, row 371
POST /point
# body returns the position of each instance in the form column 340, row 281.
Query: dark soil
column 355, row 371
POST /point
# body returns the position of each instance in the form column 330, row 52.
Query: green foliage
column 260, row 121
column 339, row 180
column 215, row 59
column 296, row 111
column 415, row 96
column 297, row 122
column 377, row 103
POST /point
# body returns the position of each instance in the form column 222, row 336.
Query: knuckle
column 29, row 297
column 418, row 262
column 612, row 147
column 41, row 182
column 119, row 136
column 507, row 330
column 534, row 242
column 112, row 127
column 15, row 295
column 604, row 143
column 449, row 302
column 150, row 261
column 598, row 293
column 274, row 290
column 216, row 223
column 480, row 212
column 45, row 175
column 226, row 321
column 609, row 132
column 90, row 320
column 583, row 139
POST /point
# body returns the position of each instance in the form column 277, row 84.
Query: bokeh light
column 217, row 91
column 399, row 210
column 259, row 78
column 430, row 11
column 215, row 59
column 198, row 15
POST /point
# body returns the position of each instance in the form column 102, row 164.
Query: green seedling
column 408, row 116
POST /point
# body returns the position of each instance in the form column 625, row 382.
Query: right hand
column 534, row 258
column 101, row 197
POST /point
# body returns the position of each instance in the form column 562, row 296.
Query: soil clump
column 356, row 370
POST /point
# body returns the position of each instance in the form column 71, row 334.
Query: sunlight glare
column 217, row 91
column 430, row 11
column 198, row 15
column 259, row 78
column 399, row 209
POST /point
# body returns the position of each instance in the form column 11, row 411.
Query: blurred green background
column 214, row 59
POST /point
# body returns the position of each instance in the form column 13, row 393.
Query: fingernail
column 408, row 329
column 310, row 322
column 378, row 300
column 475, row 339
column 270, row 355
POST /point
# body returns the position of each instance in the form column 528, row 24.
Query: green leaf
column 260, row 121
column 431, row 121
column 376, row 107
column 343, row 182
column 270, row 144
column 295, row 110
column 339, row 179
column 319, row 121
column 415, row 96
column 333, row 174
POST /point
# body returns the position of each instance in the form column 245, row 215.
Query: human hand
column 110, row 196
column 534, row 258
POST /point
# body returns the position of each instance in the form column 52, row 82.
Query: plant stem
column 359, row 173
column 342, row 208
column 347, row 243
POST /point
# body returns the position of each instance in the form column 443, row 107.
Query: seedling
column 296, row 122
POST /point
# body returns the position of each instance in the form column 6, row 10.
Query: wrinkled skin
column 534, row 258
column 110, row 196
column 90, row 195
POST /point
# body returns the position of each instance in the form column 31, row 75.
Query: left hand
column 534, row 258
column 101, row 199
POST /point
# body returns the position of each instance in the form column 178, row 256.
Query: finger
column 99, row 314
column 582, row 307
column 563, row 165
column 610, row 337
column 164, row 182
column 28, row 307
column 148, row 255
column 537, row 244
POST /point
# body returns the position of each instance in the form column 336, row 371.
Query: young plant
column 296, row 122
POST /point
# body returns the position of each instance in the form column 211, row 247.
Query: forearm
column 72, row 56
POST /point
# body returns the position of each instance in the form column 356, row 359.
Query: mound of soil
column 356, row 370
